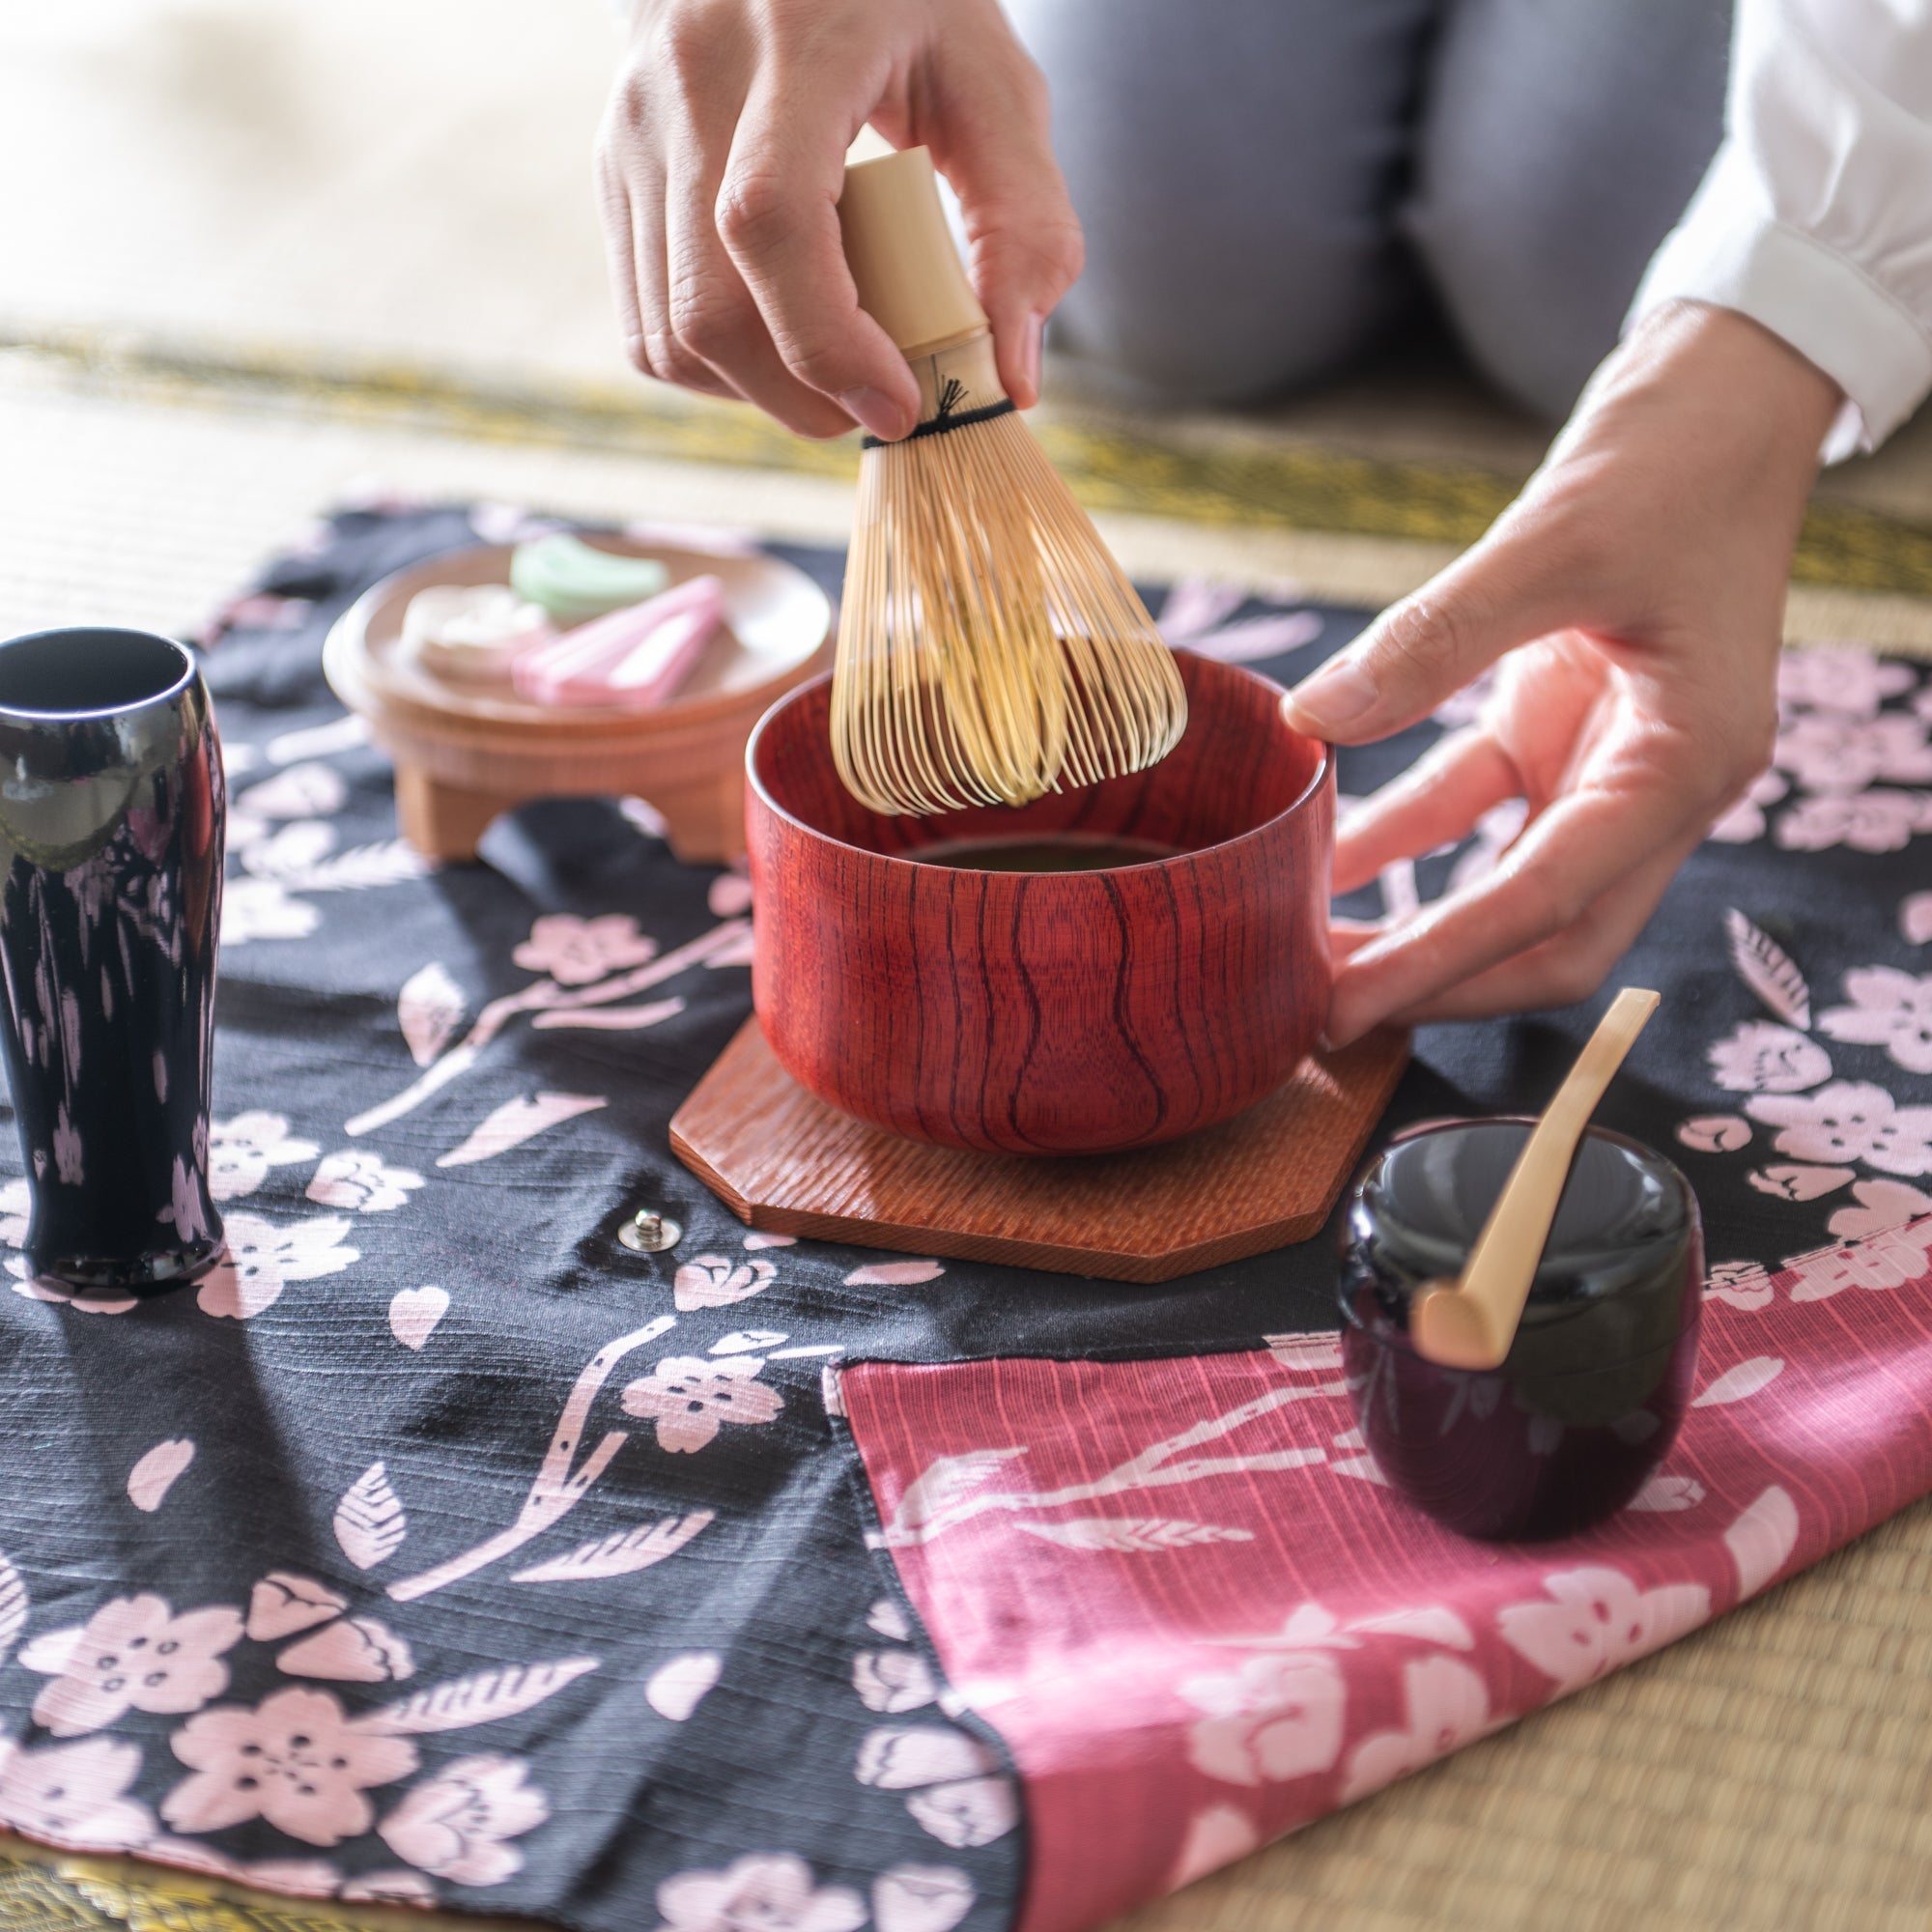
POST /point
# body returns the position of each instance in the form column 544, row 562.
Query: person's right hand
column 720, row 163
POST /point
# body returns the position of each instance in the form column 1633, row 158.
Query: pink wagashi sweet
column 633, row 659
column 472, row 633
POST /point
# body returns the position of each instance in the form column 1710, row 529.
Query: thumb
column 1020, row 226
column 1421, row 651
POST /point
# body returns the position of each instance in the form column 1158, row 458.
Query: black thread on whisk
column 945, row 421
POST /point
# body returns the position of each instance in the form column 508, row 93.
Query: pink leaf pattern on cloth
column 1915, row 919
column 1768, row 971
column 151, row 1479
column 458, row 1824
column 765, row 1890
column 71, row 1795
column 893, row 1275
column 1134, row 1693
column 621, row 1554
column 429, row 1010
column 132, row 1654
column 370, row 1523
column 294, row 1759
column 516, row 1122
column 13, row 1607
column 480, row 1699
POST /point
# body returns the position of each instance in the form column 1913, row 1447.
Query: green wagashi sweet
column 575, row 582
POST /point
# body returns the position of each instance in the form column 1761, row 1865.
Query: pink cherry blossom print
column 241, row 1153
column 389, row 1888
column 1216, row 1836
column 253, row 909
column 358, row 1650
column 294, row 1760
column 1882, row 1204
column 16, row 1204
column 574, row 951
column 690, row 1398
column 71, row 1795
column 1594, row 1618
column 1888, row 1009
column 1849, row 1120
column 1762, row 1539
column 1714, row 1133
column 902, row 1758
column 1447, row 1704
column 1274, row 1718
column 458, row 1824
column 1761, row 1057
column 889, row 1620
column 1316, row 1354
column 414, row 1313
column 151, row 1479
column 1891, row 1259
column 1842, row 678
column 283, row 1604
column 1798, row 1183
column 712, row 1281
column 767, row 1892
column 1745, row 821
column 363, row 1183
column 1743, row 1283
column 973, row 1811
column 1915, row 917
column 920, row 1898
column 306, row 791
column 892, row 1681
column 262, row 1259
column 730, row 895
column 1879, row 820
column 1844, row 755
column 676, row 1688
column 133, row 1653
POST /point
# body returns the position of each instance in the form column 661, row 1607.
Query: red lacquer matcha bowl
column 1050, row 1012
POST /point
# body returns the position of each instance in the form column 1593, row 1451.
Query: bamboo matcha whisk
column 989, row 648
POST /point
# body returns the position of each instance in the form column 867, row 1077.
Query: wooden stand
column 787, row 1163
column 465, row 753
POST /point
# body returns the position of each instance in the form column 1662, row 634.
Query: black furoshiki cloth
column 436, row 1548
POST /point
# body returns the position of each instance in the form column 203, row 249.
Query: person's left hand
column 1631, row 601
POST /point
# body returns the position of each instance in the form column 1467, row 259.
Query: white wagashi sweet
column 472, row 633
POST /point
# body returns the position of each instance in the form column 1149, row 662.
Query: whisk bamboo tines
column 989, row 647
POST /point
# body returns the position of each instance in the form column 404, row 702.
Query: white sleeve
column 1816, row 218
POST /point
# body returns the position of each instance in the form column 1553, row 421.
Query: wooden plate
column 464, row 754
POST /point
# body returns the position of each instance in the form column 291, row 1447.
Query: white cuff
column 1731, row 250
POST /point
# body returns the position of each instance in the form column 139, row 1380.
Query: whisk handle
column 903, row 260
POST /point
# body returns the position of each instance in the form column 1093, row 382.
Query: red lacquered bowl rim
column 1310, row 791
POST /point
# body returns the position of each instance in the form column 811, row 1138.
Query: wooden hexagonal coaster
column 784, row 1161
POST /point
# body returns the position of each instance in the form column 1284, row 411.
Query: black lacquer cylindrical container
column 111, row 819
column 1590, row 1397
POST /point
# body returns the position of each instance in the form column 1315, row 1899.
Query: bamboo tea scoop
column 1471, row 1322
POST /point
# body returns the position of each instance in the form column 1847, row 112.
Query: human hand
column 719, row 168
column 1632, row 600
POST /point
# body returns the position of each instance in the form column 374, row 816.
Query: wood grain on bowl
column 1046, row 1013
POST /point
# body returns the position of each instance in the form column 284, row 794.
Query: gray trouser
column 1259, row 180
